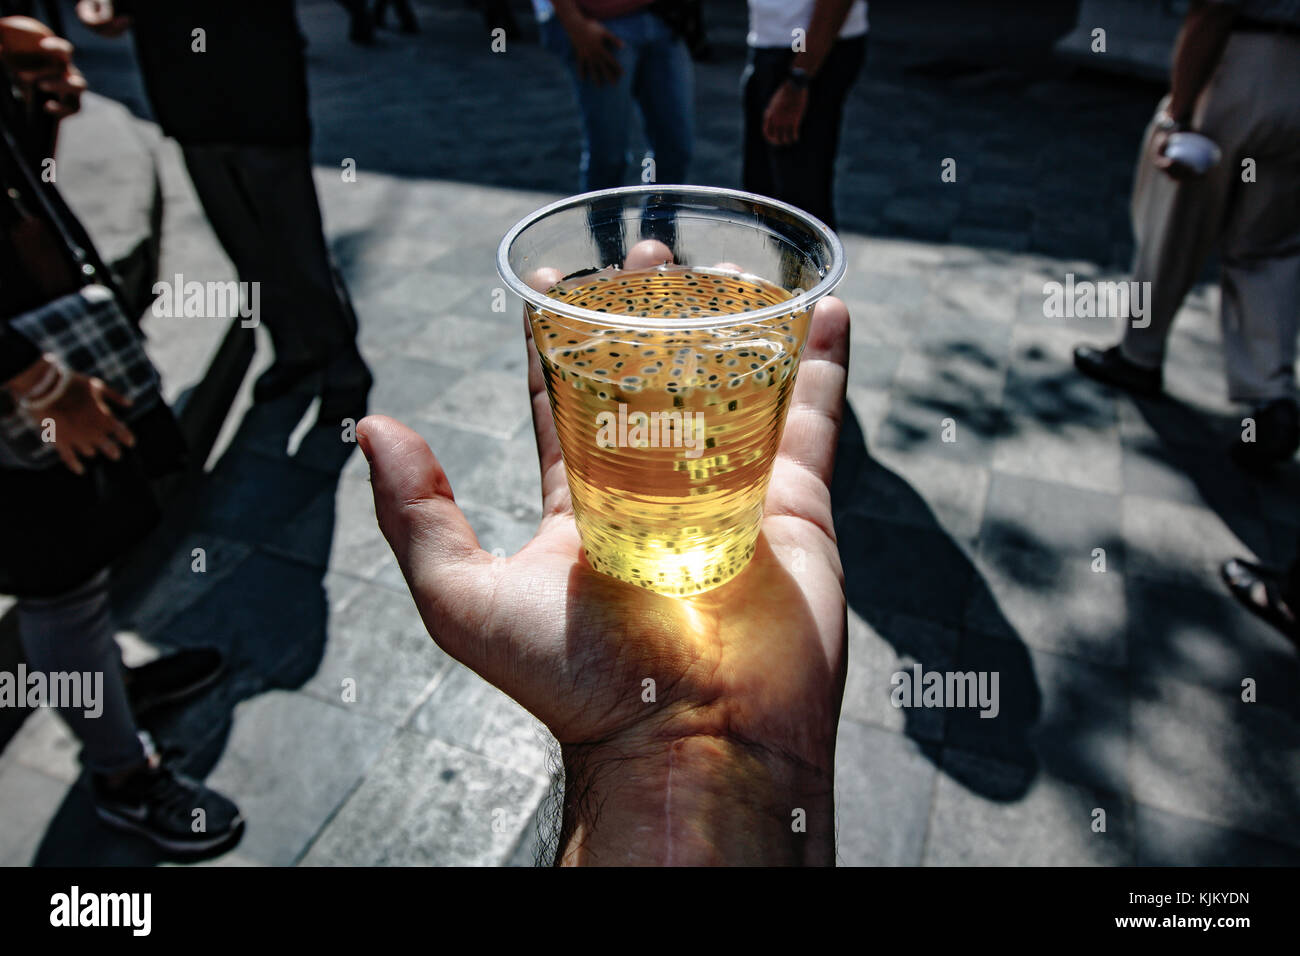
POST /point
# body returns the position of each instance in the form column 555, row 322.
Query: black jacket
column 56, row 528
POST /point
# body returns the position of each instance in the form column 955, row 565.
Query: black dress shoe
column 1277, row 437
column 172, row 679
column 1111, row 368
column 346, row 388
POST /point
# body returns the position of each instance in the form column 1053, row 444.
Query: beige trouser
column 1251, row 108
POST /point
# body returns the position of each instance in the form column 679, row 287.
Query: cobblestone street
column 1120, row 686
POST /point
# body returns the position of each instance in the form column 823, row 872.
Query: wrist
column 30, row 378
column 570, row 17
column 1172, row 120
column 699, row 800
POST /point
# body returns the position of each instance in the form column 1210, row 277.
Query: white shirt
column 772, row 22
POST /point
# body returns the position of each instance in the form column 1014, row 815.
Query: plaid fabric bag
column 88, row 330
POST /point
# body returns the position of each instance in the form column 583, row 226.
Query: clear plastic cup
column 670, row 321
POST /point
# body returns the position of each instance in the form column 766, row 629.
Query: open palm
column 759, row 660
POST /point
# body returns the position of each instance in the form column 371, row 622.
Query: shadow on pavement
column 895, row 576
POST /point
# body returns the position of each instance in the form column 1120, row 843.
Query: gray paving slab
column 884, row 786
column 280, row 781
column 1210, row 756
column 429, row 803
column 466, row 711
column 882, row 644
column 1065, row 604
column 379, row 660
column 1050, row 824
column 1167, row 839
column 30, row 800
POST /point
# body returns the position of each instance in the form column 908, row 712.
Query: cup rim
column 796, row 303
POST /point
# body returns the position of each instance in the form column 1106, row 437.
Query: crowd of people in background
column 241, row 117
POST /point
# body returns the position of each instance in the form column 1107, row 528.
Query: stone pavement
column 1120, row 688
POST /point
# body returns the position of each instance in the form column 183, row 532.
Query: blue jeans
column 657, row 76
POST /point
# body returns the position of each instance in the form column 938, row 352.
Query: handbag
column 90, row 333
column 82, row 322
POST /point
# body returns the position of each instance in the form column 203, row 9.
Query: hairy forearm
column 695, row 801
column 1200, row 44
column 824, row 28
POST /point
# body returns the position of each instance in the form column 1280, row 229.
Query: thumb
column 428, row 533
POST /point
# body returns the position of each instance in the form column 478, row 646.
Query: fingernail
column 364, row 444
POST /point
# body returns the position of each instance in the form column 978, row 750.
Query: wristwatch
column 799, row 78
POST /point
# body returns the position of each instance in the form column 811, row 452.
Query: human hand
column 1170, row 167
column 749, row 676
column 593, row 47
column 84, row 424
column 100, row 16
column 41, row 61
column 784, row 115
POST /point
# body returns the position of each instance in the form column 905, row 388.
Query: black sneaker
column 159, row 804
column 1277, row 437
column 1110, row 367
column 172, row 679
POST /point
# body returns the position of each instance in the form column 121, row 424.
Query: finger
column 121, row 432
column 108, row 391
column 69, row 458
column 64, row 84
column 817, row 407
column 109, row 448
column 56, row 47
column 413, row 499
column 647, row 254
column 555, row 486
column 446, row 570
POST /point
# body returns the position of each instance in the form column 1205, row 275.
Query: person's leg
column 279, row 182
column 605, row 109
column 763, row 74
column 73, row 633
column 239, row 223
column 1176, row 226
column 805, row 170
column 664, row 88
column 1260, row 305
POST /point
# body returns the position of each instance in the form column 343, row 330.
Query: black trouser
column 803, row 173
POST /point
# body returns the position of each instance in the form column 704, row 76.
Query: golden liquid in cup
column 669, row 435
